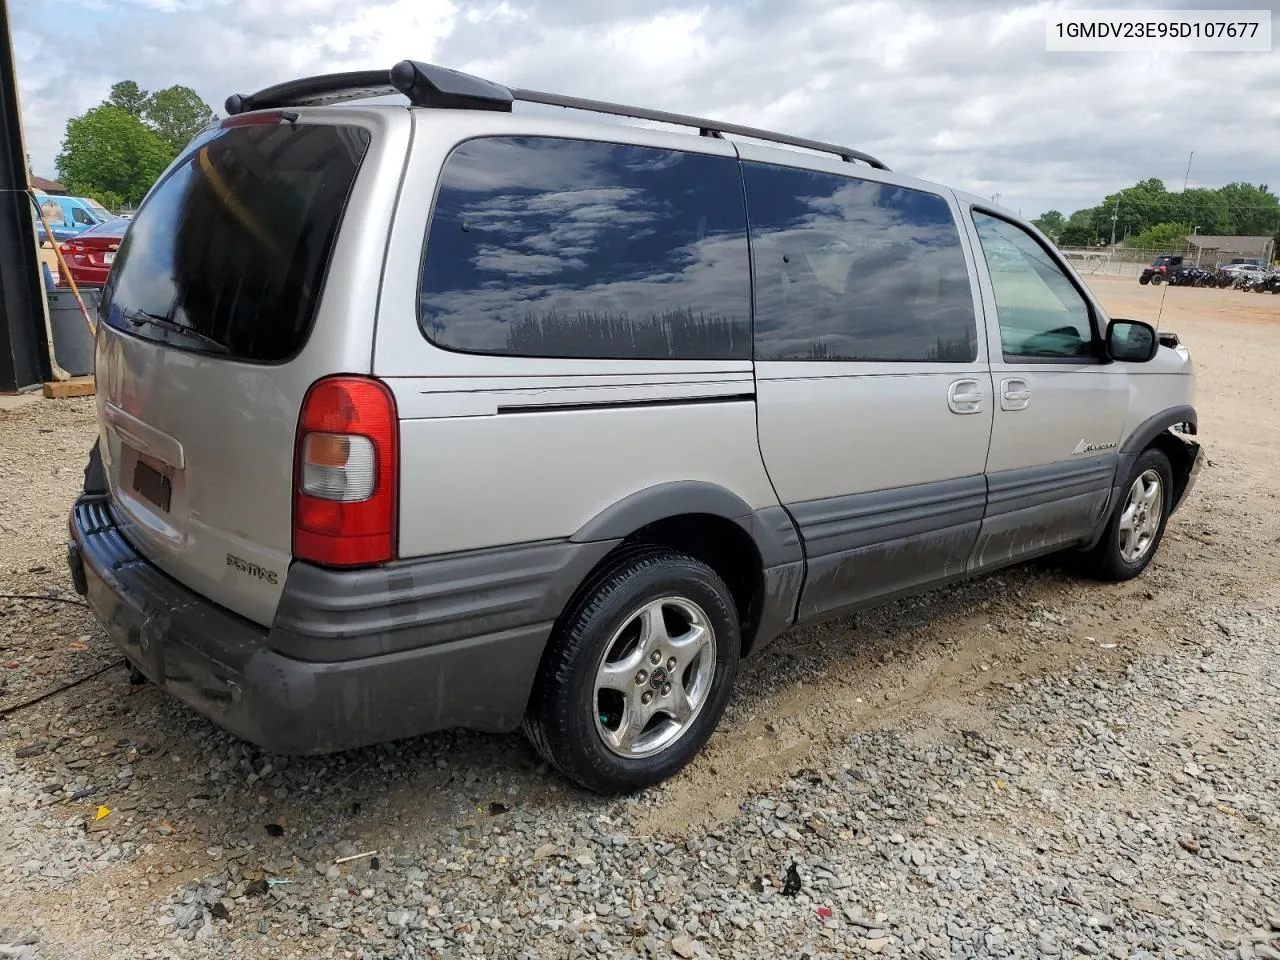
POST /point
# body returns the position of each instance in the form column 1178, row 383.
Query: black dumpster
column 72, row 344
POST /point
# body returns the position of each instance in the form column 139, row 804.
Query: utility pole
column 995, row 198
column 1115, row 214
column 1187, row 176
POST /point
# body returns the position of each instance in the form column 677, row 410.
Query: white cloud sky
column 958, row 91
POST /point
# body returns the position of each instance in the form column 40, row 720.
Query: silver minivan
column 447, row 414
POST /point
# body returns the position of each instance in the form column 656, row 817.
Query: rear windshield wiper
column 141, row 318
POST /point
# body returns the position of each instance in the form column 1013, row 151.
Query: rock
column 877, row 945
column 1121, row 876
column 686, row 948
column 544, row 851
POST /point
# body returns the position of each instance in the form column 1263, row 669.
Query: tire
column 1144, row 280
column 595, row 736
column 1114, row 561
column 1156, row 279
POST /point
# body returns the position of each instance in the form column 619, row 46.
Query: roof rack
column 428, row 85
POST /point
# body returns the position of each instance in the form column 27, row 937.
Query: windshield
column 101, row 212
column 231, row 248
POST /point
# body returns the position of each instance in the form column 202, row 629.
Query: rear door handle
column 965, row 396
column 1015, row 394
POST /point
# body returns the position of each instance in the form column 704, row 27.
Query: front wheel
column 1137, row 522
column 637, row 673
column 1156, row 279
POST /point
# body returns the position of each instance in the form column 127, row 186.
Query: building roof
column 1243, row 245
column 48, row 186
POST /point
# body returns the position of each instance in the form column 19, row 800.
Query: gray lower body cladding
column 356, row 658
column 867, row 548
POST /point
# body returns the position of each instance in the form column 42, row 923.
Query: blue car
column 68, row 217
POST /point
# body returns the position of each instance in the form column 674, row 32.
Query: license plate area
column 153, row 482
column 108, row 258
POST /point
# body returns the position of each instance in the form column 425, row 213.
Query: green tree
column 1051, row 224
column 1080, row 230
column 1251, row 211
column 177, row 114
column 1162, row 236
column 129, row 97
column 107, row 151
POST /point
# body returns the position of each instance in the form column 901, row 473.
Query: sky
column 961, row 92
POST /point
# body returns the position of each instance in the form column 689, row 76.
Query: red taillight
column 346, row 474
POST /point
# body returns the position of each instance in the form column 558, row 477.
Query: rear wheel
column 1137, row 522
column 637, row 674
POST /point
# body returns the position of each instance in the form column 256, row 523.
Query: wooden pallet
column 75, row 387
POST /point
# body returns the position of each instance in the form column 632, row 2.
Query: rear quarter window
column 228, row 254
column 547, row 247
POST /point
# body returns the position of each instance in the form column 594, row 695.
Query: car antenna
column 1160, row 312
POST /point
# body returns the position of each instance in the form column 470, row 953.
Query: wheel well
column 723, row 546
column 1180, row 458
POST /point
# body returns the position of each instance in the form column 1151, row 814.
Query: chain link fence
column 1130, row 261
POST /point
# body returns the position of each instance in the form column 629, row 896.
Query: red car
column 89, row 255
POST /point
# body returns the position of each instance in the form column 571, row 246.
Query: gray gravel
column 1087, row 784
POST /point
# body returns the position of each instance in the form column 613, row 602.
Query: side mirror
column 1131, row 341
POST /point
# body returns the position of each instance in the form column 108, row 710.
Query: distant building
column 51, row 187
column 1214, row 250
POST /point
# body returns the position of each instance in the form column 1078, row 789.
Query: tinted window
column 546, row 247
column 1041, row 312
column 848, row 269
column 82, row 216
column 228, row 254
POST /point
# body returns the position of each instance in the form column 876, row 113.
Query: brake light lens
column 346, row 481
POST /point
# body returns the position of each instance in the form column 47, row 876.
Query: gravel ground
column 1024, row 766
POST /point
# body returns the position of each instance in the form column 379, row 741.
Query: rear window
column 228, row 254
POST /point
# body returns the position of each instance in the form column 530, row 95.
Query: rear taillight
column 346, row 478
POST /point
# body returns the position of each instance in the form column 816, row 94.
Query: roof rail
column 428, row 85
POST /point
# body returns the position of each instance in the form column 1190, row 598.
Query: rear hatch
column 212, row 332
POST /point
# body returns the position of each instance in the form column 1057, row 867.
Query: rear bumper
column 226, row 668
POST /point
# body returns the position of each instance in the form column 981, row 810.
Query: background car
column 90, row 255
column 1246, row 268
column 68, row 217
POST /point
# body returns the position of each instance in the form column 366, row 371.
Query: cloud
column 961, row 92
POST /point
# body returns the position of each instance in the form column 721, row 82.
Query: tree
column 1080, row 230
column 108, row 151
column 1251, row 211
column 1162, row 236
column 129, row 97
column 176, row 114
column 1051, row 223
